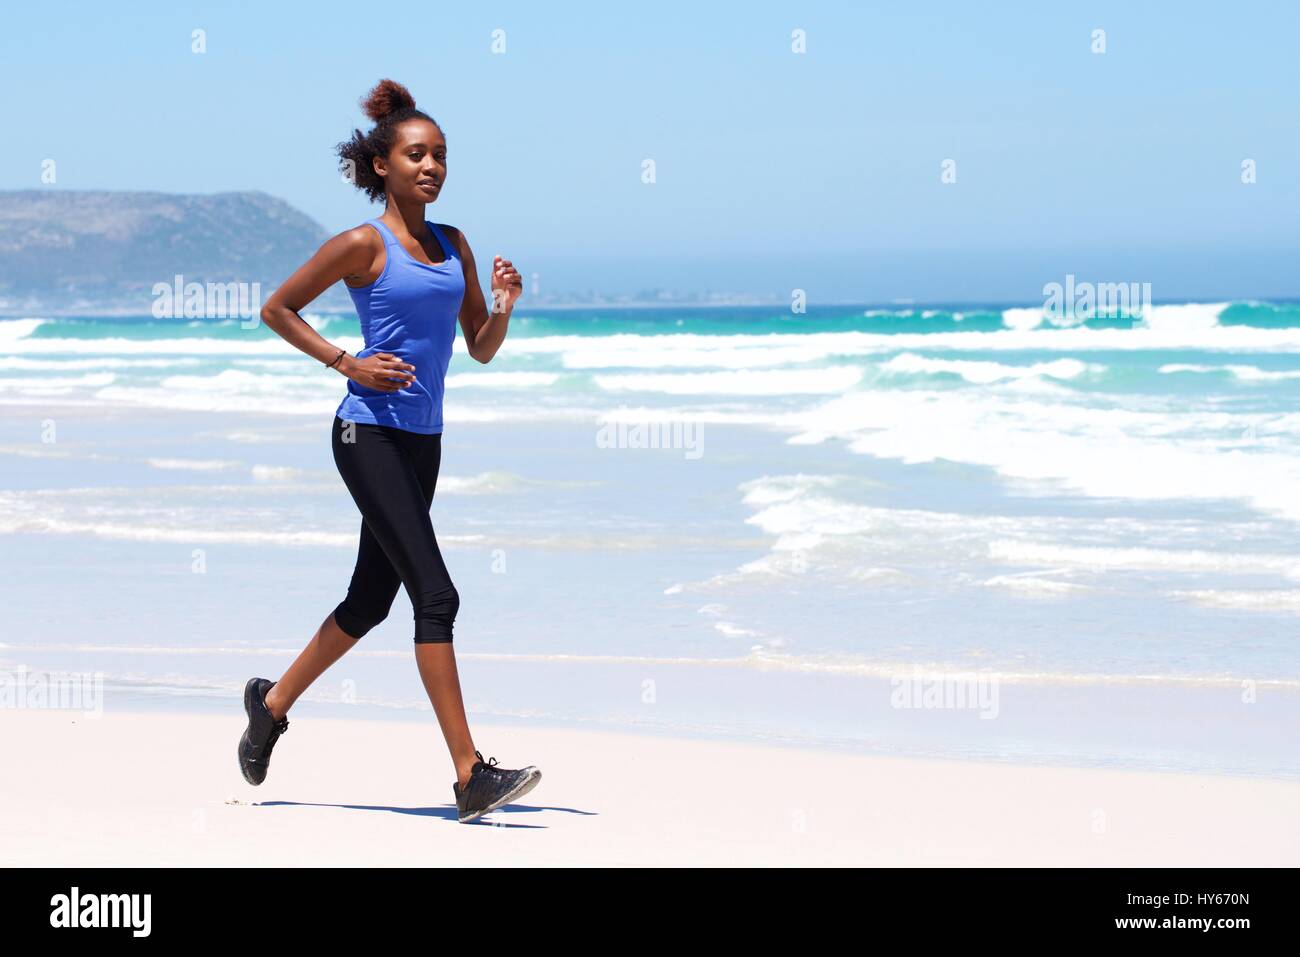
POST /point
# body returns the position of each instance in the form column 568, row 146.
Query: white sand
column 153, row 789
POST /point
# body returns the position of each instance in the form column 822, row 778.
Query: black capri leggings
column 391, row 474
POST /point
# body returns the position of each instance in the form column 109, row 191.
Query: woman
column 409, row 279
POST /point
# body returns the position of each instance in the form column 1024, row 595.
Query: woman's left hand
column 507, row 285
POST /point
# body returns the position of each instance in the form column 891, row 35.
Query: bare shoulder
column 456, row 238
column 353, row 248
column 357, row 254
column 358, row 239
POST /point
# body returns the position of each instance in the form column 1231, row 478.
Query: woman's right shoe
column 491, row 787
column 263, row 731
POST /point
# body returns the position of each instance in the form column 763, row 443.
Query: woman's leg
column 434, row 656
column 370, row 596
column 327, row 646
column 437, row 664
column 392, row 475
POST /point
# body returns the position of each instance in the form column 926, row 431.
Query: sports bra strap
column 385, row 233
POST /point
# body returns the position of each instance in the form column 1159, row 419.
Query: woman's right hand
column 382, row 371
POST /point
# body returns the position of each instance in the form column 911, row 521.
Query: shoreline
column 1176, row 730
column 606, row 799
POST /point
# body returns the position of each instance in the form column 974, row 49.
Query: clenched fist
column 507, row 284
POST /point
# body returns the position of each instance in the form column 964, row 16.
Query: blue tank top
column 411, row 311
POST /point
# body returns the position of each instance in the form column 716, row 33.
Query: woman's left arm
column 484, row 331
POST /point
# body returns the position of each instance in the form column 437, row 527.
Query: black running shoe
column 490, row 787
column 261, row 734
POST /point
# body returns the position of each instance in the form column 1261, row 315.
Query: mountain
column 70, row 252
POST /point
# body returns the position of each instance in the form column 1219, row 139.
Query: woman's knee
column 356, row 621
column 435, row 613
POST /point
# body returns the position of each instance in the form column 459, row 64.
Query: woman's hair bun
column 388, row 96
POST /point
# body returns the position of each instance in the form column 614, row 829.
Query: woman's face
column 417, row 164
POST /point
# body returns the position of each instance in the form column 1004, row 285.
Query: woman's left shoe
column 491, row 787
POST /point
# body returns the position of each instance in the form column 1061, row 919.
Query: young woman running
column 410, row 279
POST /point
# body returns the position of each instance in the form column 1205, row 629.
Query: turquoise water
column 1123, row 354
column 671, row 320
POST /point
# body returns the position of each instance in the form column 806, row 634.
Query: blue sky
column 775, row 170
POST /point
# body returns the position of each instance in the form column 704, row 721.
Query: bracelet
column 331, row 365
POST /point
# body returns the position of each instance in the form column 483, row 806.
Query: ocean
column 726, row 521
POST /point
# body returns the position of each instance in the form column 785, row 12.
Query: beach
column 163, row 790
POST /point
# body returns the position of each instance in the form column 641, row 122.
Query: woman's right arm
column 350, row 254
